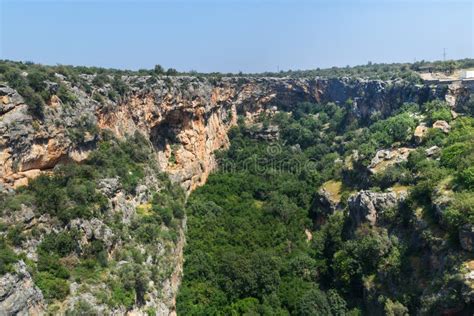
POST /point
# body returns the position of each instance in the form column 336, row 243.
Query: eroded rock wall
column 186, row 118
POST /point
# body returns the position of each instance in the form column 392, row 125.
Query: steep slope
column 186, row 118
column 331, row 216
column 49, row 119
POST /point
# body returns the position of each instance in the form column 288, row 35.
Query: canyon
column 185, row 119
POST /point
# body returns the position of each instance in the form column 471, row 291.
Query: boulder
column 18, row 293
column 366, row 206
column 433, row 151
column 420, row 132
column 442, row 125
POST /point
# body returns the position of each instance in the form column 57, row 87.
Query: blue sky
column 231, row 35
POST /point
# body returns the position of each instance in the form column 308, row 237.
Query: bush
column 466, row 178
column 51, row 286
column 7, row 258
column 82, row 308
column 100, row 80
column 62, row 244
column 122, row 296
column 313, row 302
column 15, row 235
column 437, row 110
column 36, row 80
column 397, row 128
column 451, row 156
column 65, row 95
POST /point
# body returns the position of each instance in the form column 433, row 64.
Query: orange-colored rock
column 44, row 156
column 420, row 132
column 442, row 125
column 5, row 99
column 55, row 101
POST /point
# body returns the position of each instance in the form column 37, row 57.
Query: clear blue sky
column 231, row 35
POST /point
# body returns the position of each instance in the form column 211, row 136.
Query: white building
column 467, row 74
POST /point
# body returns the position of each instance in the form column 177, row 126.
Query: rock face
column 268, row 133
column 387, row 157
column 326, row 201
column 366, row 206
column 186, row 118
column 18, row 294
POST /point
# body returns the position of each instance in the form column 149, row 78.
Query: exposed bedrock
column 186, row 118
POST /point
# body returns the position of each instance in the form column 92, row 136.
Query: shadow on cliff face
column 167, row 131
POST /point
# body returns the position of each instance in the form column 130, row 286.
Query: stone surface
column 442, row 125
column 186, row 118
column 387, row 157
column 326, row 201
column 433, row 151
column 268, row 133
column 366, row 206
column 420, row 133
column 18, row 294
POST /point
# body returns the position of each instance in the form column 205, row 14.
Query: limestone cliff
column 186, row 118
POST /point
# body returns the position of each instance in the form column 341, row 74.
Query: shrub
column 119, row 86
column 65, row 95
column 82, row 308
column 178, row 211
column 451, row 156
column 165, row 213
column 122, row 296
column 466, row 178
column 158, row 70
column 461, row 211
column 100, row 80
column 62, row 243
column 313, row 302
column 7, row 258
column 36, row 80
column 437, row 110
column 15, row 235
column 51, row 286
column 397, row 128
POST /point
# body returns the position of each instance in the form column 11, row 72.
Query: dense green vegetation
column 257, row 241
column 371, row 70
column 249, row 251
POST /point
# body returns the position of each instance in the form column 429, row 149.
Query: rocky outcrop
column 367, row 206
column 442, row 125
column 388, row 157
column 326, row 201
column 420, row 133
column 18, row 293
column 262, row 132
column 186, row 118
